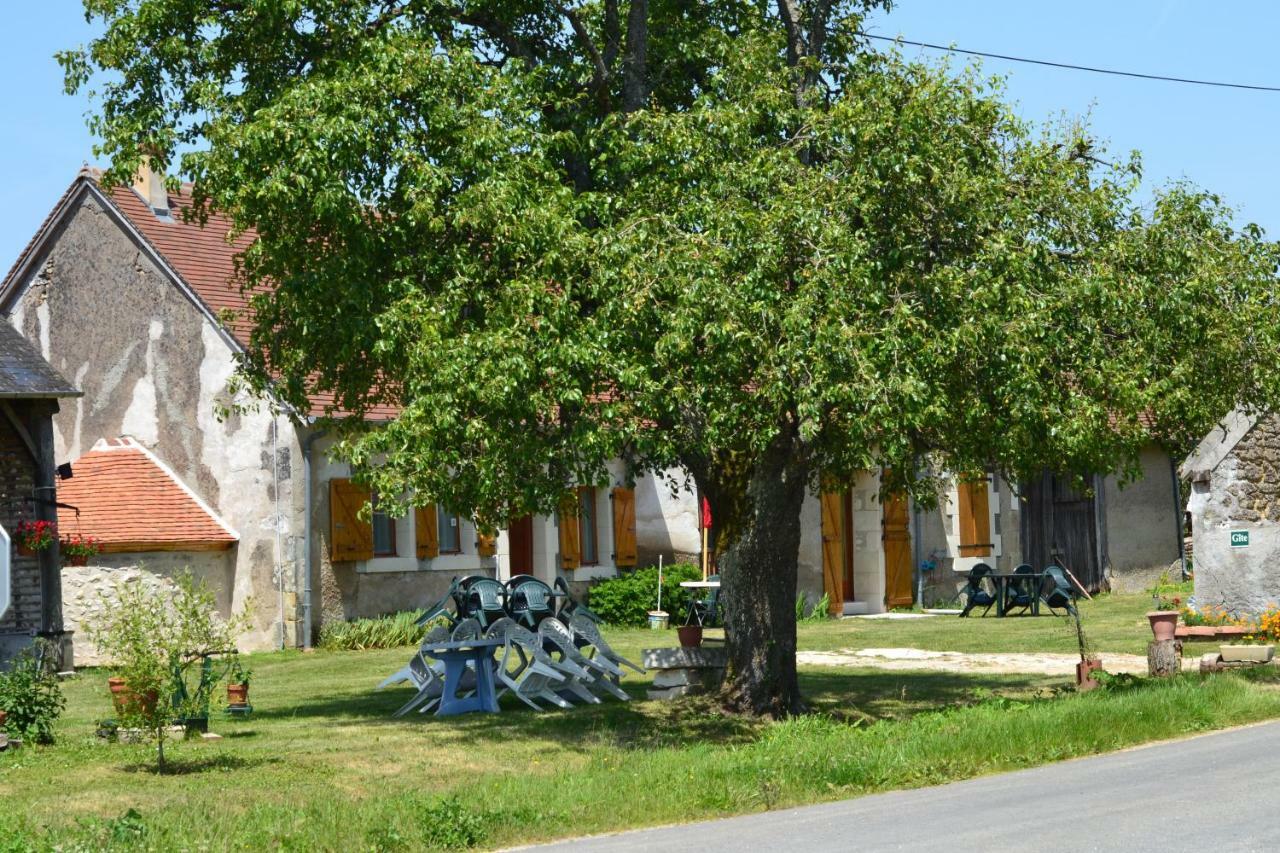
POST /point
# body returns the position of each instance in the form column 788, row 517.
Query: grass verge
column 322, row 767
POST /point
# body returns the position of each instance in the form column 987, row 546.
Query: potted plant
column 690, row 635
column 76, row 550
column 238, row 684
column 1164, row 619
column 33, row 536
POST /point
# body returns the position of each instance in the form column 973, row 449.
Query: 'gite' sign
column 1239, row 539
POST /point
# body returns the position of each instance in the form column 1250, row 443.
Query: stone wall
column 1241, row 494
column 17, row 489
column 153, row 366
column 88, row 592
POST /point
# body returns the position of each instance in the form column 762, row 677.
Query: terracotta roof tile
column 204, row 256
column 129, row 501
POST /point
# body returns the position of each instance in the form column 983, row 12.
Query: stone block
column 671, row 693
column 681, row 657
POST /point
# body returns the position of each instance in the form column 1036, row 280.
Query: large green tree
column 723, row 236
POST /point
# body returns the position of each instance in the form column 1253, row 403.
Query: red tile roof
column 129, row 501
column 201, row 257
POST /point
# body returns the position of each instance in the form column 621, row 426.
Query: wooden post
column 1164, row 658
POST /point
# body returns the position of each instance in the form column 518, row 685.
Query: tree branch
column 612, row 33
column 599, row 68
column 795, row 39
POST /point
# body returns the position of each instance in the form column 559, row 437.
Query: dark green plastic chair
column 529, row 601
column 486, row 601
column 1056, row 592
column 706, row 611
column 974, row 593
column 1020, row 594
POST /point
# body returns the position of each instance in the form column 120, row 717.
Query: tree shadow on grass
column 186, row 767
column 857, row 697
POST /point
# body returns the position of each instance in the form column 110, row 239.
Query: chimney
column 150, row 185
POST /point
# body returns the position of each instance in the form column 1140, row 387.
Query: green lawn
column 1112, row 623
column 322, row 766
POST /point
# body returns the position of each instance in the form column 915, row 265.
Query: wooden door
column 896, row 537
column 1060, row 525
column 833, row 551
column 847, row 543
column 520, row 542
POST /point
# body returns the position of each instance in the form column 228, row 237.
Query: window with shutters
column 450, row 532
column 588, row 538
column 384, row 531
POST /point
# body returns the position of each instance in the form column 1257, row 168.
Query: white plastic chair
column 426, row 675
column 557, row 643
column 524, row 668
column 590, row 634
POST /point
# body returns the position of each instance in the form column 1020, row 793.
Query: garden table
column 456, row 654
column 1006, row 579
column 701, row 584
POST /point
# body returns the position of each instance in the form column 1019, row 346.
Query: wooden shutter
column 833, row 551
column 624, row 526
column 973, row 517
column 350, row 536
column 570, row 542
column 486, row 543
column 426, row 531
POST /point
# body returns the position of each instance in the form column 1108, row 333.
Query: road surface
column 1216, row 793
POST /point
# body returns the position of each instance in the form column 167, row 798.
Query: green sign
column 1239, row 539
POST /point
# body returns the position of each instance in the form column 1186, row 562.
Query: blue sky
column 1221, row 139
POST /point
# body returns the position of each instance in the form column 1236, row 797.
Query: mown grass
column 1112, row 623
column 321, row 766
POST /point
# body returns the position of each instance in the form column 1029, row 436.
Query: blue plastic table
column 456, row 655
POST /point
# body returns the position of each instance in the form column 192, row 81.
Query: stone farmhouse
column 128, row 300
column 1235, row 513
column 117, row 291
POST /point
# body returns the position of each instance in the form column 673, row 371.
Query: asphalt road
column 1216, row 792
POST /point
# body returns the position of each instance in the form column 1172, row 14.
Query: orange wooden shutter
column 426, row 532
column 350, row 536
column 624, row 526
column 973, row 516
column 486, row 543
column 833, row 551
column 570, row 534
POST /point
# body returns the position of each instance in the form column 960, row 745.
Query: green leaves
column 876, row 258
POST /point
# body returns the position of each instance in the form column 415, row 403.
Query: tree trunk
column 1164, row 658
column 759, row 588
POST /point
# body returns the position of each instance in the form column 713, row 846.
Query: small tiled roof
column 130, row 501
column 24, row 372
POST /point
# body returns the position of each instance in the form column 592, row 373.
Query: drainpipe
column 306, row 531
column 1177, row 516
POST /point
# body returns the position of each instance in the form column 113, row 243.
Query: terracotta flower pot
column 76, row 560
column 237, row 694
column 24, row 551
column 1085, row 679
column 126, row 701
column 1163, row 624
column 690, row 635
column 4, row 716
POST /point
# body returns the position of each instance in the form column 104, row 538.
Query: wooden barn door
column 1060, row 525
column 520, row 541
column 897, row 552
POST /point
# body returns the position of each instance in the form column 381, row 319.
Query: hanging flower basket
column 33, row 536
column 76, row 550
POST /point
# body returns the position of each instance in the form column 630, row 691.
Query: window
column 587, row 526
column 450, row 532
column 384, row 532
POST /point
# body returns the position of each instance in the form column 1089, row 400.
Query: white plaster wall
column 667, row 517
column 1142, row 518
column 155, row 367
column 89, row 592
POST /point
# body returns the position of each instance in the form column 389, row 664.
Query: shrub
column 31, row 694
column 383, row 632
column 152, row 636
column 627, row 599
